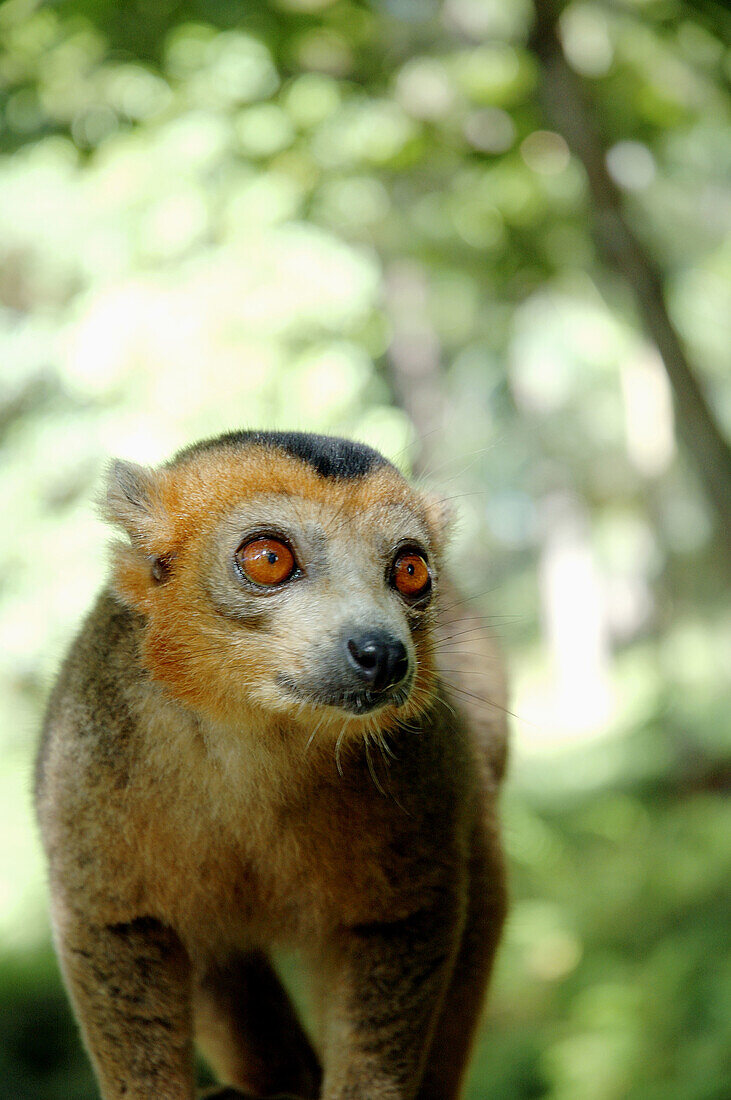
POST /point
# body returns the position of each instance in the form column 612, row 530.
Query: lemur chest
column 281, row 870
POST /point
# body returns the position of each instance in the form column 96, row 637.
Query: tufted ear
column 441, row 517
column 133, row 500
column 129, row 500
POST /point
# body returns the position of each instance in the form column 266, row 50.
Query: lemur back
column 250, row 745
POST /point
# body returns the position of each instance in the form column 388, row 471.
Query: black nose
column 378, row 658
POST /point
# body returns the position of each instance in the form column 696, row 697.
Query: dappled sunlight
column 648, row 411
column 574, row 621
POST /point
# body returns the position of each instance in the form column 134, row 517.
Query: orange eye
column 266, row 561
column 410, row 574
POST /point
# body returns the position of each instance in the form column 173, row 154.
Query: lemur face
column 284, row 573
column 335, row 595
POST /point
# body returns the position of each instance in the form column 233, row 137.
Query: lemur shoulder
column 250, row 745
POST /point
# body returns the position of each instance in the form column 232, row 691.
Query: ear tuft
column 130, row 500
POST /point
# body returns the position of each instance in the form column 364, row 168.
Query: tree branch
column 620, row 248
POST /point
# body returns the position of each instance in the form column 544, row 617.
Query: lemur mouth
column 355, row 702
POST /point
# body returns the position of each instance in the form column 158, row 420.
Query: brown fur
column 195, row 815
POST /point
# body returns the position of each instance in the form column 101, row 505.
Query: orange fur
column 195, row 814
column 184, row 646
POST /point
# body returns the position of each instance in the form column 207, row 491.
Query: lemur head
column 284, row 572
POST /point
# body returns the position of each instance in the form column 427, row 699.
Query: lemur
column 250, row 746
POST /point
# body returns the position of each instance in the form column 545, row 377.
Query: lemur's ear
column 132, row 501
column 441, row 516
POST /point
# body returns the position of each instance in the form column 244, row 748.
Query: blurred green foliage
column 218, row 214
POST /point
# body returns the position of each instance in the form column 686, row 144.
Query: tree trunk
column 620, row 248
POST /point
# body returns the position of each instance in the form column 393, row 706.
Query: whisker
column 337, row 747
column 385, row 747
column 459, row 496
column 379, row 742
column 414, row 444
column 484, row 622
column 443, row 701
column 374, row 777
column 403, row 724
column 488, row 703
column 468, row 671
column 464, row 638
column 311, row 738
column 446, row 651
column 467, row 599
column 471, row 458
column 380, row 738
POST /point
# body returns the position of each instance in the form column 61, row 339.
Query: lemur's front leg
column 387, row 984
column 130, row 984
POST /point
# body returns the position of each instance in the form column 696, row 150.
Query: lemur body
column 250, row 746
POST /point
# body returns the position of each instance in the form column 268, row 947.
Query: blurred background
column 491, row 239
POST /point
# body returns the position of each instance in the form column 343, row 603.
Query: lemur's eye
column 410, row 574
column 266, row 561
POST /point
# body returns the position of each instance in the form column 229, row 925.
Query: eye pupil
column 410, row 569
column 271, row 557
